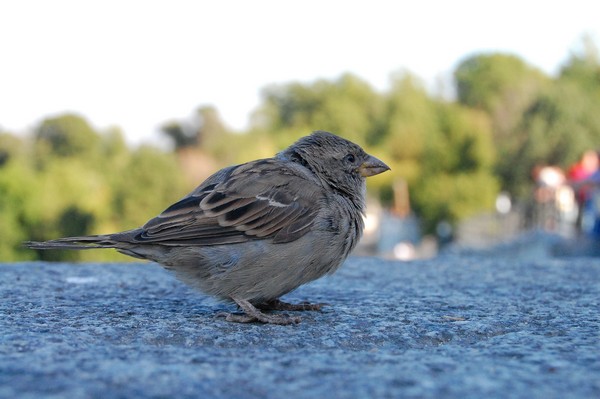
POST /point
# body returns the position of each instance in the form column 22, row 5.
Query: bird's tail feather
column 87, row 242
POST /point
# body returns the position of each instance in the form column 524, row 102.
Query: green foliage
column 152, row 181
column 346, row 105
column 10, row 147
column 425, row 141
column 77, row 187
column 535, row 120
column 456, row 179
column 583, row 68
column 558, row 127
column 67, row 135
column 19, row 208
column 69, row 179
column 501, row 85
column 487, row 81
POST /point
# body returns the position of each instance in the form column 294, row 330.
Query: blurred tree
column 509, row 118
column 409, row 120
column 457, row 177
column 426, row 142
column 560, row 124
column 489, row 81
column 209, row 122
column 114, row 153
column 72, row 222
column 68, row 135
column 202, row 130
column 75, row 222
column 202, row 144
column 182, row 136
column 213, row 136
column 558, row 127
column 150, row 182
column 10, row 146
column 583, row 67
column 96, row 185
column 346, row 106
column 18, row 208
column 504, row 86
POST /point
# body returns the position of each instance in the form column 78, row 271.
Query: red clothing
column 578, row 172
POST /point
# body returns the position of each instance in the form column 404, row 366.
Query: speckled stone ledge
column 452, row 327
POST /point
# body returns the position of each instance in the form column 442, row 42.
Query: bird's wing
column 264, row 199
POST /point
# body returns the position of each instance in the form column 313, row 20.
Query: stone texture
column 452, row 327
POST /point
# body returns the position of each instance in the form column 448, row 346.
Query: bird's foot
column 276, row 304
column 252, row 314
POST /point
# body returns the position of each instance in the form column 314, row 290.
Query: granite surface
column 451, row 327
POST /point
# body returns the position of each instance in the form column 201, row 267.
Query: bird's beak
column 372, row 166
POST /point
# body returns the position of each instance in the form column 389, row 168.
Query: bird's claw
column 252, row 314
column 279, row 319
column 276, row 304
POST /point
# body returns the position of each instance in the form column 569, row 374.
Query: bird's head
column 337, row 162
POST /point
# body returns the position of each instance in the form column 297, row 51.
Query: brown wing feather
column 260, row 200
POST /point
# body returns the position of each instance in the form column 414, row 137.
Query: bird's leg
column 253, row 314
column 276, row 304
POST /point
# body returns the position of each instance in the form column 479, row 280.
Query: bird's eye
column 350, row 158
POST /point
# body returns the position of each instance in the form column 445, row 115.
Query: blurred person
column 590, row 209
column 579, row 176
column 585, row 167
column 548, row 181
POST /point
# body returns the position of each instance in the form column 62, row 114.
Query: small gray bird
column 256, row 231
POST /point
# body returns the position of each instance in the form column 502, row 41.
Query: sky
column 139, row 64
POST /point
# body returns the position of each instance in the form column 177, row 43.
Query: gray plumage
column 256, row 231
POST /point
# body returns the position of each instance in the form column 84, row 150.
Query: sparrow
column 254, row 232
